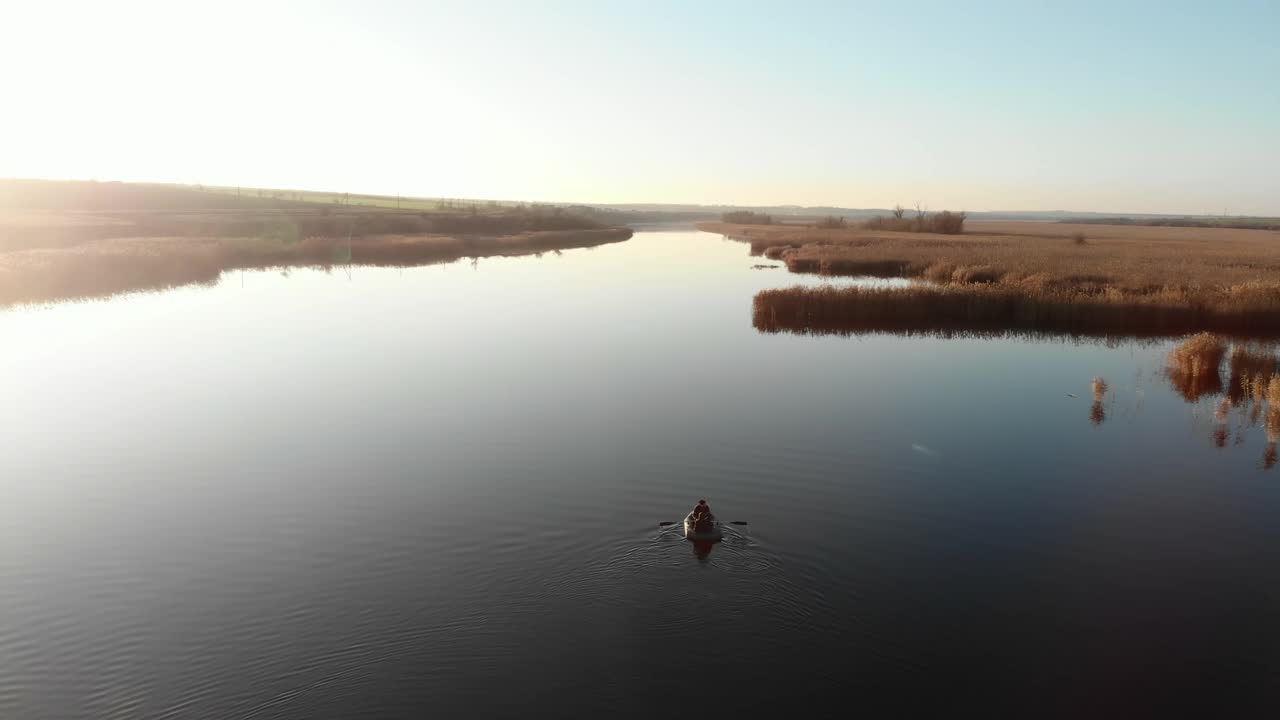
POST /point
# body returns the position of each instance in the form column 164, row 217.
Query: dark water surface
column 435, row 493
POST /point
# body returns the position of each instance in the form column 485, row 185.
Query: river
column 436, row 492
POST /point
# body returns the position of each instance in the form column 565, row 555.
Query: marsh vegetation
column 1027, row 277
column 992, row 309
column 919, row 220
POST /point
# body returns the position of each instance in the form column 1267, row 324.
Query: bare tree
column 899, row 211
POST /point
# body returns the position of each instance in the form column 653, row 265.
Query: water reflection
column 1251, row 390
column 297, row 533
column 1097, row 412
column 702, row 548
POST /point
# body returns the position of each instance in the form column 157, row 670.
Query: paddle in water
column 665, row 523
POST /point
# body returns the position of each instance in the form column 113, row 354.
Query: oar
column 665, row 523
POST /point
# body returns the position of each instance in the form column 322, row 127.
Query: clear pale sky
column 1109, row 106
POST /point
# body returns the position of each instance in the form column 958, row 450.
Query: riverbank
column 1026, row 277
column 107, row 267
column 63, row 241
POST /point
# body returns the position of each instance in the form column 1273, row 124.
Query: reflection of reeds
column 1098, row 412
column 1193, row 369
column 996, row 309
column 843, row 266
column 1222, row 412
column 1272, row 422
column 1249, row 367
column 1219, row 436
column 1272, row 425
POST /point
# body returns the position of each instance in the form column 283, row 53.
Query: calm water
column 436, row 492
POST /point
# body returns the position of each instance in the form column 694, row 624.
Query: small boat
column 709, row 530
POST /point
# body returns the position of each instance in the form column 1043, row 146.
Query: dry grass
column 1172, row 280
column 1129, row 258
column 997, row 309
column 1194, row 365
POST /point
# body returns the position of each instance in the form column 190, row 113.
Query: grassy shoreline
column 110, row 267
column 61, row 241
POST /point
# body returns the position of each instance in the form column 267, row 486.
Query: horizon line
column 568, row 203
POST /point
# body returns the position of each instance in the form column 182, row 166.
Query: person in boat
column 701, row 514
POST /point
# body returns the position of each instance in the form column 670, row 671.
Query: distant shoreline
column 108, row 267
column 83, row 240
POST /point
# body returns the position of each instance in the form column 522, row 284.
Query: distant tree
column 899, row 211
column 747, row 217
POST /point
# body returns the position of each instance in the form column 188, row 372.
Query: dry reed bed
column 108, row 267
column 1133, row 259
column 1026, row 277
column 998, row 310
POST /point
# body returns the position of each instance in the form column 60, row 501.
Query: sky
column 1107, row 106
